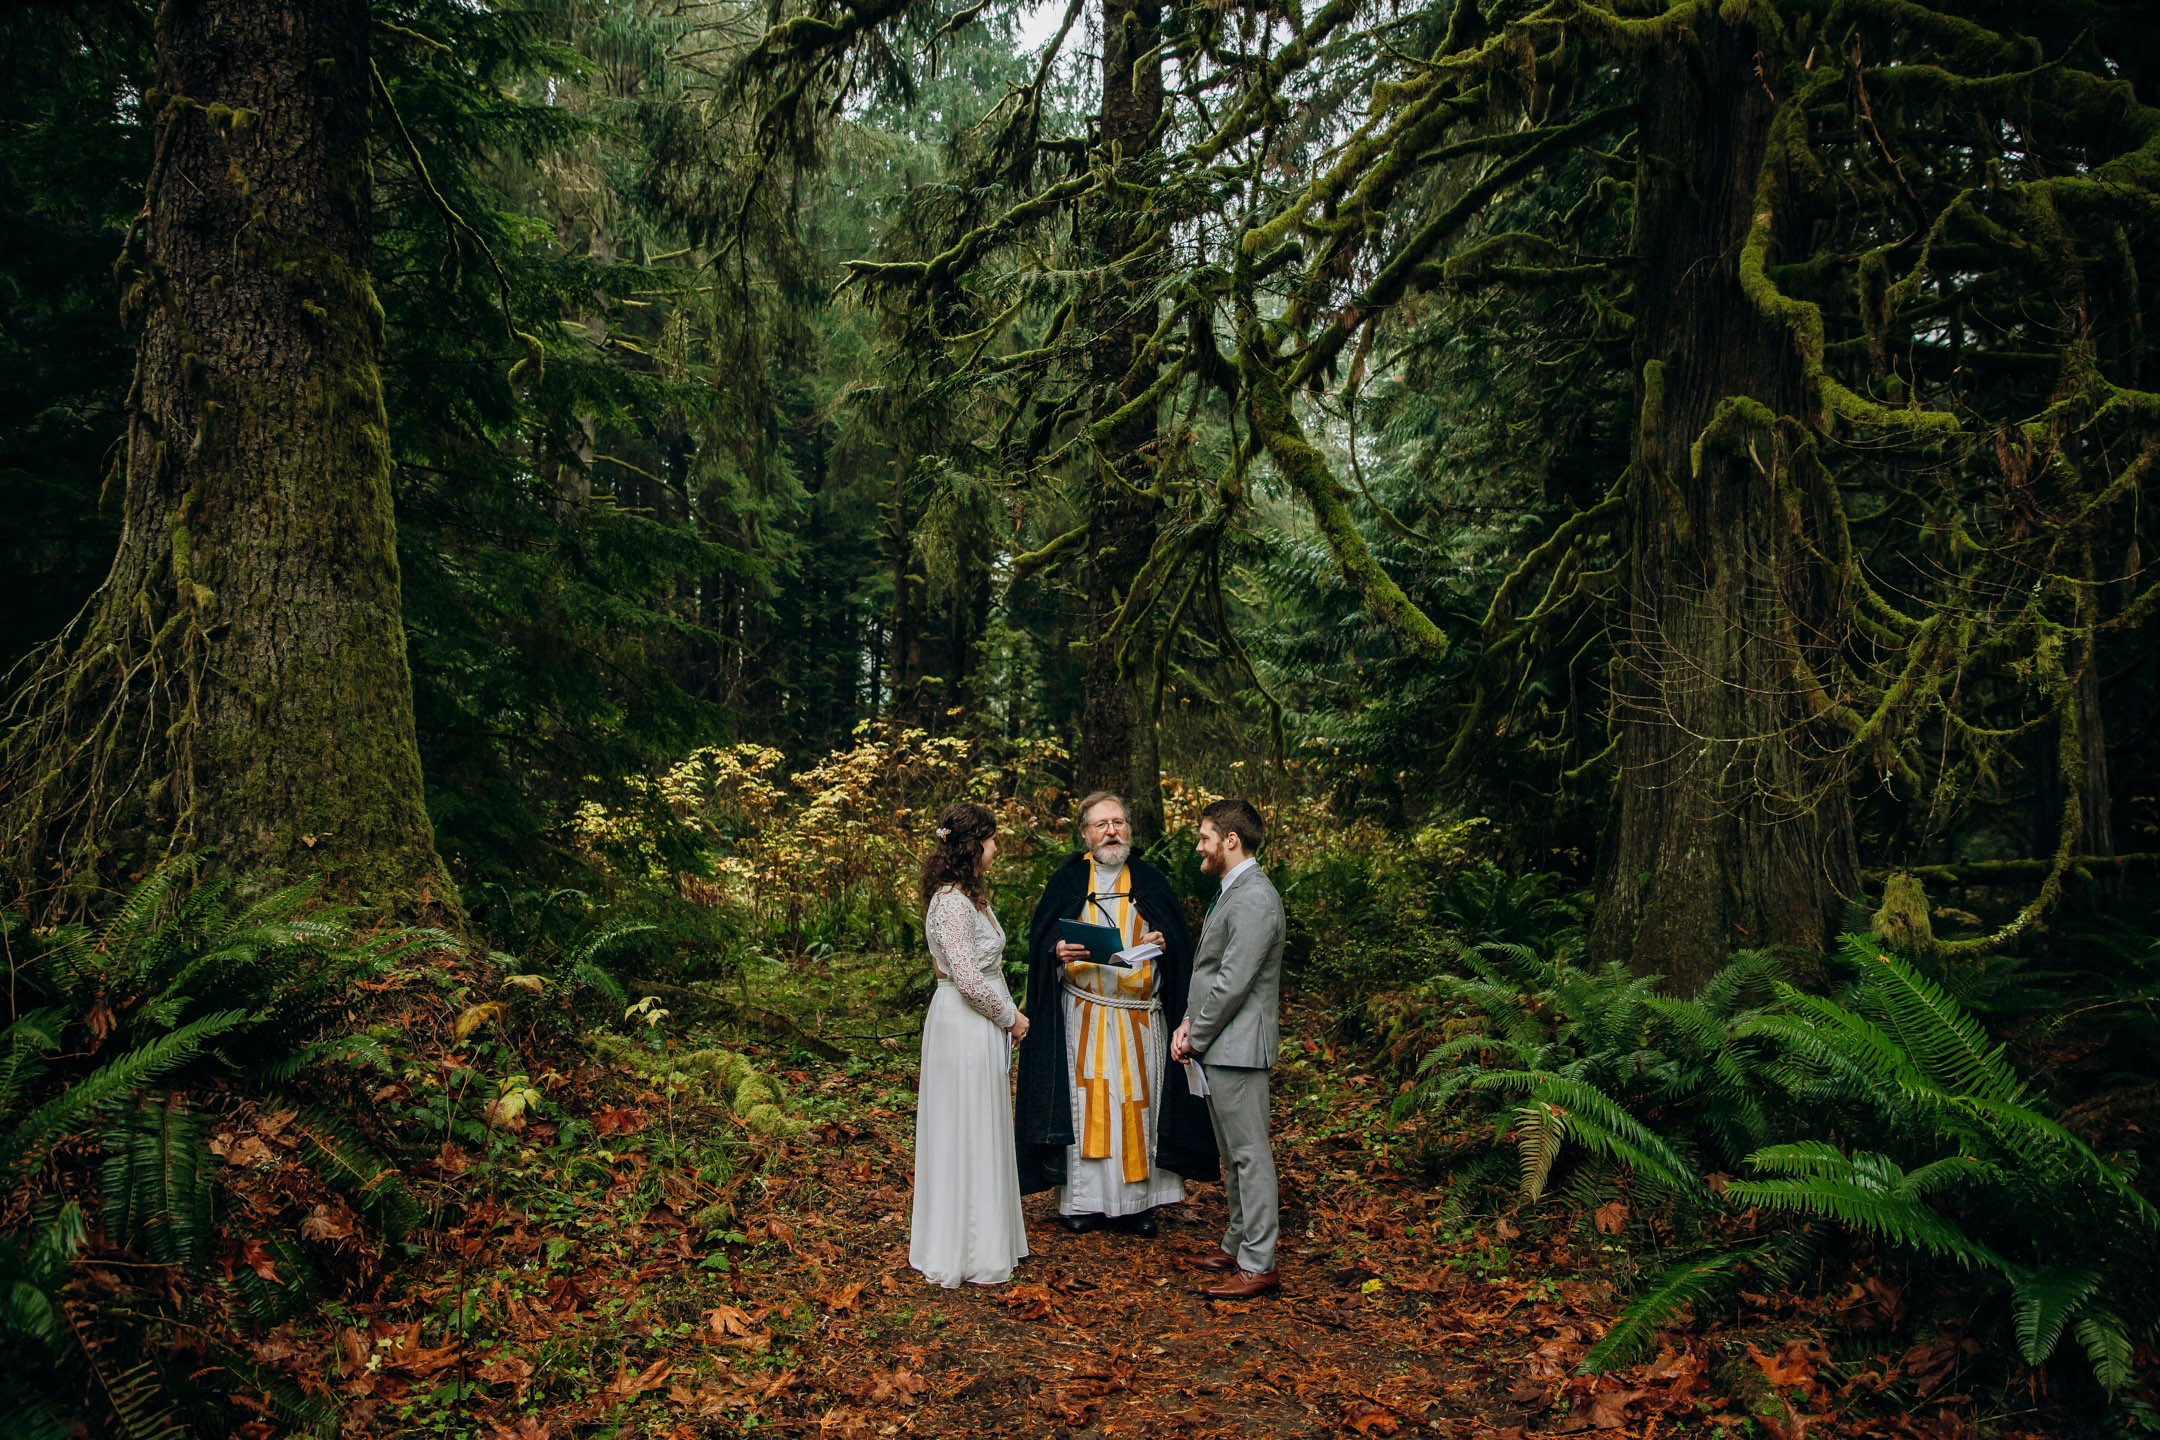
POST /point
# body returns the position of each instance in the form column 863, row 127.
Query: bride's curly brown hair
column 962, row 828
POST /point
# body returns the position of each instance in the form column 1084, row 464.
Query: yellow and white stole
column 1115, row 1011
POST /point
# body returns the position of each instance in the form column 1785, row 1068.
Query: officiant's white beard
column 1110, row 856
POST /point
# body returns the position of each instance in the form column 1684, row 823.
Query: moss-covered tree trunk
column 1117, row 749
column 1731, row 827
column 239, row 684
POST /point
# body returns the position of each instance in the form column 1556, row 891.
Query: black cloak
column 1042, row 1108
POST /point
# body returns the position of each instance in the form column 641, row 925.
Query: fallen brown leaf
column 842, row 1298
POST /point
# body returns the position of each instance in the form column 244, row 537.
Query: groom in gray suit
column 1231, row 1028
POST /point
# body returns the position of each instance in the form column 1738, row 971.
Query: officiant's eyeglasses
column 1106, row 822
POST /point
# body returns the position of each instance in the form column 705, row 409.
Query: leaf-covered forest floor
column 638, row 1263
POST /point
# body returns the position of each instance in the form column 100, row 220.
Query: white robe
column 1116, row 1079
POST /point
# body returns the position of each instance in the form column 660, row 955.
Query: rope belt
column 1115, row 1002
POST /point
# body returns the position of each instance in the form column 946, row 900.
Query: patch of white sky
column 1034, row 23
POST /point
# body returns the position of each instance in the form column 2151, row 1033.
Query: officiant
column 1101, row 1112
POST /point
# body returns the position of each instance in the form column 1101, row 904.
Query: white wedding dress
column 967, row 1224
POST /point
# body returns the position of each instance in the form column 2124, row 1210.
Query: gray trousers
column 1238, row 1105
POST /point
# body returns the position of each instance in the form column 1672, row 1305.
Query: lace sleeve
column 949, row 926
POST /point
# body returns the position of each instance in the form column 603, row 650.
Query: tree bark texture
column 1117, row 749
column 248, row 638
column 1731, row 826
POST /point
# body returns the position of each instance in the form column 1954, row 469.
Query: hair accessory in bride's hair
column 942, row 832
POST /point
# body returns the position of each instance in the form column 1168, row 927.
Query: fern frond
column 348, row 1164
column 1690, row 1018
column 136, row 1399
column 2107, row 1344
column 23, row 1048
column 594, row 977
column 1831, row 1035
column 109, row 1084
column 1943, row 1174
column 1506, row 964
column 1721, row 995
column 2044, row 1301
column 1898, row 1218
column 158, row 1186
column 2045, row 1153
column 1596, row 1121
column 1540, row 1132
column 1657, row 1307
column 1801, row 1157
column 146, row 905
column 1817, row 1065
column 1947, row 1044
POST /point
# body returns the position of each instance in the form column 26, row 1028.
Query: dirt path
column 1381, row 1326
column 1105, row 1335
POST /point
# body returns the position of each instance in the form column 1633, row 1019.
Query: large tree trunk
column 1731, row 827
column 240, row 685
column 1114, row 753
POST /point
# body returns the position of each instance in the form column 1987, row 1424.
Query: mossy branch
column 1027, row 563
column 938, row 270
column 1268, row 408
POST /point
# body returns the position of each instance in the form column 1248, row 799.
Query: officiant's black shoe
column 1081, row 1224
column 1143, row 1224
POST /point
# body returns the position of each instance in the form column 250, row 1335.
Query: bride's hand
column 1019, row 1027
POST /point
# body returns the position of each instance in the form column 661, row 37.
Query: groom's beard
column 1111, row 856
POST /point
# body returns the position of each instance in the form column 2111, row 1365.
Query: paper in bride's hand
column 1195, row 1080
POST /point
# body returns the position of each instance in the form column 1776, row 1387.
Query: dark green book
column 1102, row 941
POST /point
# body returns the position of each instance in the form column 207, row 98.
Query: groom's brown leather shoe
column 1243, row 1285
column 1216, row 1260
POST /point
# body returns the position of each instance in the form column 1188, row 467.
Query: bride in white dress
column 967, row 1224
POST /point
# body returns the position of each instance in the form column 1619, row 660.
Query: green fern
column 2108, row 1346
column 1594, row 1120
column 348, row 1164
column 158, row 1186
column 1681, row 1287
column 1540, row 1132
column 24, row 1047
column 108, row 1085
column 180, row 985
column 1865, row 1192
column 1947, row 1044
column 2044, row 1301
column 137, row 1401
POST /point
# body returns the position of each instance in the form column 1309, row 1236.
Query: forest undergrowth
column 427, row 1190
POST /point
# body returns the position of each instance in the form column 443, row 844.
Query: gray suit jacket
column 1237, row 976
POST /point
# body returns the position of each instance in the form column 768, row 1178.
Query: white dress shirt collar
column 1238, row 869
